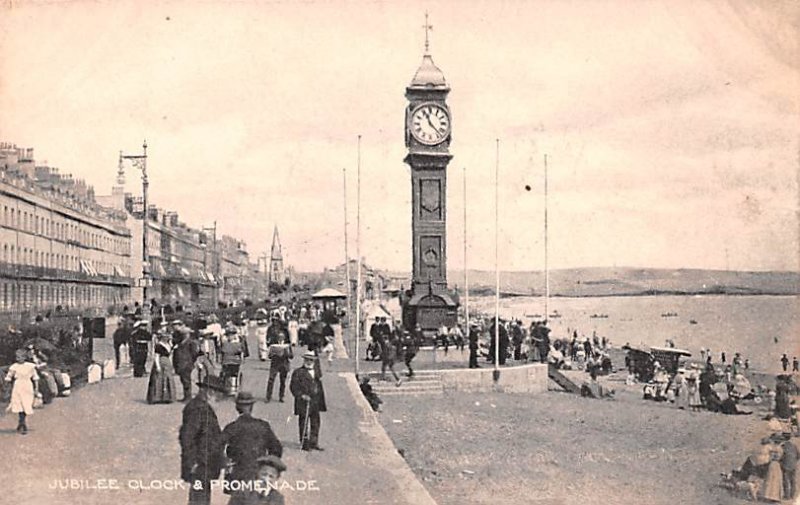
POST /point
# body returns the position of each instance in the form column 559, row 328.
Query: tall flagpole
column 546, row 267
column 347, row 256
column 466, row 271
column 496, row 261
column 358, row 254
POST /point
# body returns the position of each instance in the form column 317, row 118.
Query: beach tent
column 372, row 310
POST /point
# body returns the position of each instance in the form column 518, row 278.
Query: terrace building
column 58, row 246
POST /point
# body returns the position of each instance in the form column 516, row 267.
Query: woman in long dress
column 161, row 388
column 25, row 389
column 679, row 386
column 693, row 389
column 773, row 484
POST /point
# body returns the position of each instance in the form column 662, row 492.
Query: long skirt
column 21, row 397
column 161, row 388
column 694, row 397
column 773, row 484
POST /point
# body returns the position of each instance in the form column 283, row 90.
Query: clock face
column 430, row 124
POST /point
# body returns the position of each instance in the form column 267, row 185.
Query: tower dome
column 428, row 75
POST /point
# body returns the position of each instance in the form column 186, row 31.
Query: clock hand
column 428, row 117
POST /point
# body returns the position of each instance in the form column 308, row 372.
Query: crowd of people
column 215, row 347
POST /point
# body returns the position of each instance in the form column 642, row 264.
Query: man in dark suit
column 280, row 355
column 309, row 401
column 201, row 441
column 140, row 345
column 246, row 439
column 184, row 356
column 473, row 346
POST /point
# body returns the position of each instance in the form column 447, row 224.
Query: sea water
column 761, row 328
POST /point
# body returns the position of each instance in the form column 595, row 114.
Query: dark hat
column 245, row 398
column 273, row 461
column 177, row 321
column 310, row 355
column 212, row 382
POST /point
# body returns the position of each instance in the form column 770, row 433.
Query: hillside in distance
column 631, row 281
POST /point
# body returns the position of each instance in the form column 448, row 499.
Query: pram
column 374, row 351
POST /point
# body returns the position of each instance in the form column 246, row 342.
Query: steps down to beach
column 423, row 383
column 562, row 380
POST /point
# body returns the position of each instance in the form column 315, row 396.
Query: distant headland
column 589, row 282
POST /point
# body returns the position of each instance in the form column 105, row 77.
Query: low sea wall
column 530, row 378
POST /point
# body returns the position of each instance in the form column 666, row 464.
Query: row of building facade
column 63, row 246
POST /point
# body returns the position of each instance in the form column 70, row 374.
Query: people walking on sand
column 309, row 401
column 773, row 483
column 795, row 364
column 693, row 389
column 24, row 390
column 785, row 362
column 791, row 454
column 722, row 357
column 245, row 440
column 679, row 387
column 161, row 387
column 200, row 438
column 783, row 409
column 747, row 364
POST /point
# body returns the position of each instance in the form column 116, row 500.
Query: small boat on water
column 534, row 316
column 555, row 315
column 692, row 321
column 599, row 316
column 669, row 314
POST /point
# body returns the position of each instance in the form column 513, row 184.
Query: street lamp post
column 140, row 162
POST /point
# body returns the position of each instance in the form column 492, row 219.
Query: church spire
column 276, row 273
column 275, row 252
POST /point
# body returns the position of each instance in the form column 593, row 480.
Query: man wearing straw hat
column 309, row 401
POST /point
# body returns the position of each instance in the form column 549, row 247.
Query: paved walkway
column 107, row 436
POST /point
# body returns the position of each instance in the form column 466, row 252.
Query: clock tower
column 427, row 137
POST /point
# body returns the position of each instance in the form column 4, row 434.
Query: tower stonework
column 427, row 137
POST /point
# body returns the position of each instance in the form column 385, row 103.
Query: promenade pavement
column 107, row 446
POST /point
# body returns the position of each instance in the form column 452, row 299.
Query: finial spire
column 428, row 27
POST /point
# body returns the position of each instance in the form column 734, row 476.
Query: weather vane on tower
column 427, row 27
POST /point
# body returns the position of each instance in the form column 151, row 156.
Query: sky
column 671, row 128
